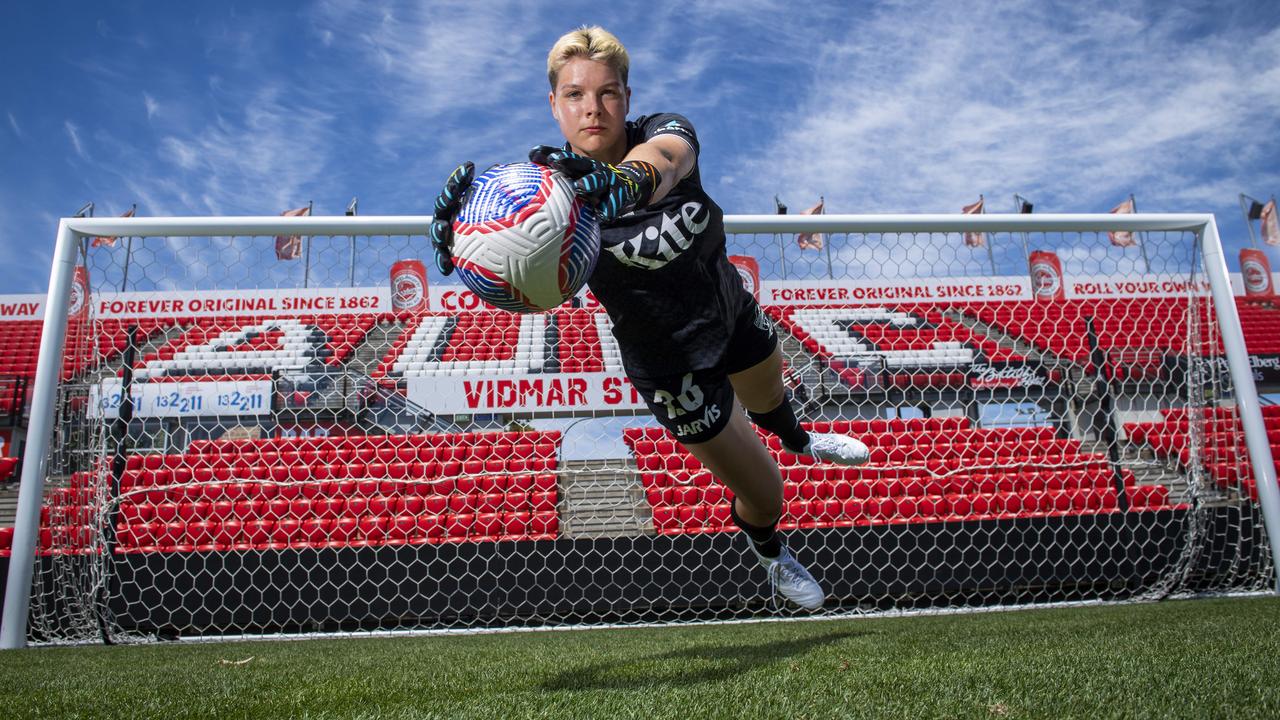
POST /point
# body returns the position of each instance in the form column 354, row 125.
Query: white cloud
column 922, row 106
column 179, row 152
column 73, row 133
column 150, row 104
column 257, row 159
column 13, row 123
column 442, row 58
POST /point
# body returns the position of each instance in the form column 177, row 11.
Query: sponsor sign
column 1046, row 276
column 78, row 308
column 183, row 399
column 873, row 292
column 206, row 303
column 1255, row 271
column 21, row 307
column 749, row 270
column 1133, row 286
column 986, row 377
column 409, row 286
column 1266, row 368
column 457, row 298
column 550, row 392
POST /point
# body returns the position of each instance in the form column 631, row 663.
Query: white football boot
column 790, row 579
column 835, row 449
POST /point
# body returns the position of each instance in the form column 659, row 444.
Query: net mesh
column 304, row 456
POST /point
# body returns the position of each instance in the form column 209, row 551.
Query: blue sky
column 252, row 108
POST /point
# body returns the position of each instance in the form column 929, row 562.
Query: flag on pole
column 289, row 247
column 975, row 239
column 1122, row 238
column 1024, row 205
column 811, row 241
column 1255, row 208
column 111, row 241
column 1270, row 226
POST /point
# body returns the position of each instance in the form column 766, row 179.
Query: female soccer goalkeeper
column 694, row 343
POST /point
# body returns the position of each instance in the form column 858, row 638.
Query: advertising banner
column 880, row 292
column 1255, row 270
column 79, row 306
column 183, row 399
column 1118, row 287
column 409, row 286
column 749, row 270
column 988, row 377
column 453, row 395
column 208, row 303
column 21, row 307
column 1046, row 276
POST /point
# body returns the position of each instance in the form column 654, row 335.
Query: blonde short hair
column 593, row 43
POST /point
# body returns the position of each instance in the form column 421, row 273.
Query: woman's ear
column 551, row 98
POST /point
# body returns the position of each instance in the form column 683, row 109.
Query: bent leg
column 762, row 393
column 759, row 388
column 743, row 463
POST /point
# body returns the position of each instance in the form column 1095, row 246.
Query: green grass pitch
column 1199, row 658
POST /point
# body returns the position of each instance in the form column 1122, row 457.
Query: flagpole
column 306, row 252
column 128, row 251
column 351, row 239
column 782, row 250
column 1248, row 219
column 1142, row 241
column 85, row 211
column 830, row 274
column 1018, row 202
column 991, row 254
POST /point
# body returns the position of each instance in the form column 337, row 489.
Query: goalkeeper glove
column 613, row 189
column 448, row 202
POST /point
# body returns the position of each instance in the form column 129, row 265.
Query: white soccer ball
column 523, row 241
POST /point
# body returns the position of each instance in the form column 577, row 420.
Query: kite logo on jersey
column 664, row 240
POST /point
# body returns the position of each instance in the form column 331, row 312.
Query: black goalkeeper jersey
column 663, row 275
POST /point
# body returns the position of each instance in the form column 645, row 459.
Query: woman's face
column 590, row 103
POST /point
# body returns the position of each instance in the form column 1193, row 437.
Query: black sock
column 781, row 421
column 765, row 539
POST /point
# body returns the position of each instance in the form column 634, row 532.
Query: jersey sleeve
column 652, row 126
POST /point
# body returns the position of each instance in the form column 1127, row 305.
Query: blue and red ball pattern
column 537, row 241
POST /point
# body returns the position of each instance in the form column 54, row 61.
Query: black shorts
column 695, row 405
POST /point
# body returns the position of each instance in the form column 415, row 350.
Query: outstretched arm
column 673, row 157
column 649, row 171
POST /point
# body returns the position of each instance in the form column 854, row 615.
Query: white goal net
column 243, row 445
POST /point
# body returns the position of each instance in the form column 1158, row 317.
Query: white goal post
column 921, row 235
